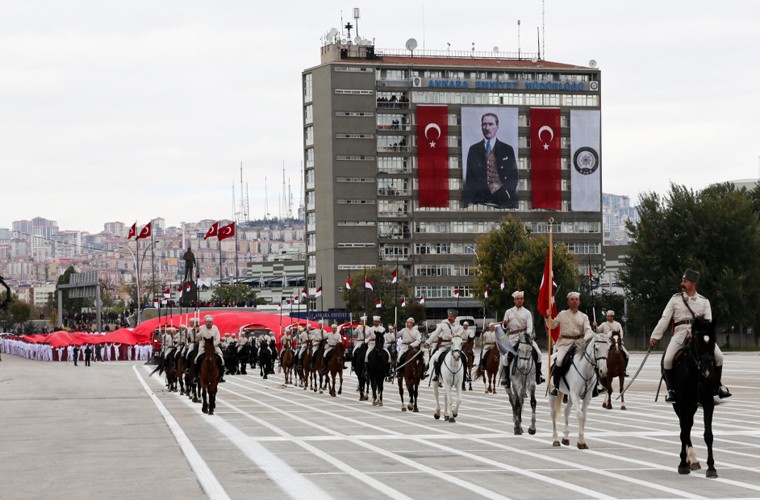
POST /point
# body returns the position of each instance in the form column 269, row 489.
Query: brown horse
column 170, row 368
column 303, row 369
column 287, row 358
column 491, row 362
column 335, row 368
column 615, row 368
column 315, row 372
column 209, row 376
column 179, row 370
column 411, row 374
column 468, row 351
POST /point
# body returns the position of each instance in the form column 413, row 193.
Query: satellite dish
column 411, row 44
column 496, row 48
column 333, row 32
column 592, row 63
column 534, row 60
column 358, row 40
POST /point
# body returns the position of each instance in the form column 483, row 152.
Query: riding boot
column 671, row 396
column 539, row 376
column 722, row 391
column 555, row 382
column 625, row 370
column 221, row 369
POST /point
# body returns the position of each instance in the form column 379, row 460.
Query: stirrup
column 554, row 391
column 723, row 392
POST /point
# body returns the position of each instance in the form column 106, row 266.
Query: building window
column 308, row 114
column 354, row 91
column 309, row 136
column 307, row 87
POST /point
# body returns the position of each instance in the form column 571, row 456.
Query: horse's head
column 456, row 347
column 703, row 345
column 597, row 350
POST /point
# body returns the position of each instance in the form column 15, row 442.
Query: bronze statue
column 190, row 264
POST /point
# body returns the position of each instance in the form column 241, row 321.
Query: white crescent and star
column 546, row 128
column 435, row 127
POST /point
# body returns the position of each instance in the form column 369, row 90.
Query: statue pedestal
column 189, row 298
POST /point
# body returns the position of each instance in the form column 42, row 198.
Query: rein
column 593, row 362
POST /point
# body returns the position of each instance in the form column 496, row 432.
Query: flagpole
column 137, row 269
column 153, row 265
column 237, row 275
column 220, row 260
column 395, row 298
column 548, row 319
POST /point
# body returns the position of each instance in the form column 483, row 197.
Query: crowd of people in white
column 45, row 352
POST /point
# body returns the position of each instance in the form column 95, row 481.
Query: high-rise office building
column 410, row 156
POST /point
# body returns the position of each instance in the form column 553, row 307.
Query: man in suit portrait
column 491, row 177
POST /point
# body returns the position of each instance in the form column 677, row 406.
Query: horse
column 377, row 368
column 357, row 365
column 242, row 358
column 335, row 368
column 468, row 351
column 615, row 368
column 179, row 371
column 491, row 369
column 208, row 376
column 411, row 374
column 694, row 381
column 190, row 381
column 265, row 360
column 253, row 355
column 523, row 382
column 171, row 372
column 315, row 368
column 578, row 383
column 287, row 360
column 452, row 374
column 230, row 359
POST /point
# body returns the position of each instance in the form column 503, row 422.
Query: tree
column 509, row 251
column 235, row 294
column 17, row 313
column 360, row 300
column 716, row 232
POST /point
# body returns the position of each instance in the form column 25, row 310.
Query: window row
column 510, row 99
column 443, row 291
column 397, row 74
column 443, row 270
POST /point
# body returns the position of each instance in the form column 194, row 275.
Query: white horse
column 523, row 382
column 452, row 374
column 578, row 383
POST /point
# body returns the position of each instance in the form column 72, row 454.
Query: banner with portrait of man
column 585, row 160
column 489, row 156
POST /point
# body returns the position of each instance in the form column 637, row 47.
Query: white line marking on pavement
column 206, row 478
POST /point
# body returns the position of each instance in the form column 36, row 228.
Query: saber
column 659, row 386
column 649, row 349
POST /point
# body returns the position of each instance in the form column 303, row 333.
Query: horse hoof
column 452, row 420
column 403, row 408
column 455, row 414
column 380, row 403
column 366, row 397
column 374, row 402
column 531, row 430
column 518, row 432
column 711, row 473
column 622, row 407
column 566, row 441
column 415, row 410
column 321, row 391
column 446, row 418
column 436, row 416
column 340, row 391
column 555, row 443
column 582, row 446
column 684, row 469
column 410, row 407
column 695, row 466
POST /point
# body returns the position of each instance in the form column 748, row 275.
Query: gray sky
column 113, row 110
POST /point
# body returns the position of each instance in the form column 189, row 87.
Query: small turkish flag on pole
column 145, row 232
column 318, row 292
column 501, row 285
column 212, row 231
column 227, row 231
column 394, row 276
column 132, row 231
column 368, row 284
column 348, row 283
column 422, row 299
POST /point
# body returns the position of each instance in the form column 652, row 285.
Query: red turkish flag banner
column 545, row 292
column 433, row 155
column 212, row 231
column 145, row 232
column 545, row 144
column 132, row 231
column 227, row 231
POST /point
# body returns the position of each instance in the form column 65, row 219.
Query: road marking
column 206, row 478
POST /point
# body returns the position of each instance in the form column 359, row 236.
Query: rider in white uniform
column 445, row 331
column 332, row 339
column 517, row 320
column 611, row 328
column 410, row 337
column 210, row 331
column 574, row 329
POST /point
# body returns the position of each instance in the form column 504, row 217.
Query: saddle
column 562, row 370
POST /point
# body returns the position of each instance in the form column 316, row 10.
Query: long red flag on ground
column 545, row 153
column 433, row 155
column 546, row 293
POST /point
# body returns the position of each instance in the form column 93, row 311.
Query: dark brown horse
column 411, row 374
column 468, row 351
column 287, row 359
column 208, row 376
column 179, row 371
column 615, row 369
column 303, row 369
column 335, row 368
column 170, row 368
column 491, row 362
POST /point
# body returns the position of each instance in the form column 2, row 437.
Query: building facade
column 387, row 185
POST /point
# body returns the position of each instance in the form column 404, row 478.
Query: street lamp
column 137, row 279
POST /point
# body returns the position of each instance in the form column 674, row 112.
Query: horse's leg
column 516, row 401
column 532, row 428
column 707, row 410
column 554, row 402
column 211, row 399
column 401, row 392
column 581, row 412
column 566, row 433
column 457, row 401
column 469, row 372
column 204, row 408
column 415, row 393
column 622, row 394
column 446, row 398
column 437, row 413
column 688, row 455
column 340, row 376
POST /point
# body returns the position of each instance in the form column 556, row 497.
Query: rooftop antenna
column 283, row 202
column 234, row 208
column 266, row 200
column 423, row 26
column 247, row 204
column 356, row 20
column 538, row 42
column 543, row 27
column 518, row 39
